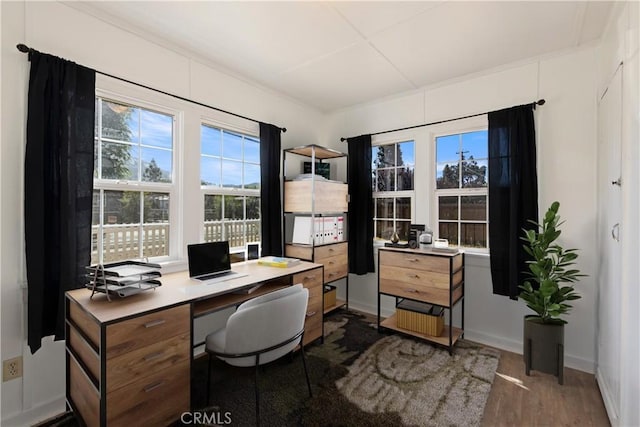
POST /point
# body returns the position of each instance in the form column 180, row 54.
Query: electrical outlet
column 12, row 368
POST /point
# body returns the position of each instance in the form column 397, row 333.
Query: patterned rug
column 359, row 378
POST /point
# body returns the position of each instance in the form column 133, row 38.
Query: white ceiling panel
column 333, row 54
column 354, row 75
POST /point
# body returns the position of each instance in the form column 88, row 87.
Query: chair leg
column 257, row 392
column 306, row 373
column 209, row 377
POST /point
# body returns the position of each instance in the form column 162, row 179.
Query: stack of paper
column 275, row 261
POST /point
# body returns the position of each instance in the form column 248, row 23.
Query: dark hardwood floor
column 538, row 400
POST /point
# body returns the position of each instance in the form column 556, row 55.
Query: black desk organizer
column 123, row 278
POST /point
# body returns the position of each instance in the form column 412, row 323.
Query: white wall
column 566, row 134
column 618, row 374
column 61, row 30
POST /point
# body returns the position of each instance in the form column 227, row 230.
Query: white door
column 610, row 232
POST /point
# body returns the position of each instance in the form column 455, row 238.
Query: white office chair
column 262, row 330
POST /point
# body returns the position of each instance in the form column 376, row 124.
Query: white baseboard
column 607, row 397
column 37, row 414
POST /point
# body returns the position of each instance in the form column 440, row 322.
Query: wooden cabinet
column 315, row 202
column 133, row 370
column 424, row 276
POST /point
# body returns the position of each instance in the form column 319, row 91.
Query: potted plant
column 546, row 292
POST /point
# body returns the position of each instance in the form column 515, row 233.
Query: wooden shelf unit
column 318, row 198
column 424, row 276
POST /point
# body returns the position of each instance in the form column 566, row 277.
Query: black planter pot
column 544, row 347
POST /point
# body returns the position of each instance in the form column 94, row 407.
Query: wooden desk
column 129, row 360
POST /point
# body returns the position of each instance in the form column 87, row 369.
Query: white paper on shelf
column 302, row 230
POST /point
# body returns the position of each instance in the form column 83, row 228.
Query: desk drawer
column 124, row 337
column 144, row 361
column 156, row 400
column 309, row 279
column 313, row 321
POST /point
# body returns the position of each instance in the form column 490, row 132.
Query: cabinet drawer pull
column 413, row 276
column 411, row 290
column 311, row 313
column 413, row 259
column 154, row 323
column 330, row 249
column 153, row 386
column 331, row 262
column 309, row 277
column 153, row 356
column 331, row 274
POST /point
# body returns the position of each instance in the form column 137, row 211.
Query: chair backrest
column 266, row 321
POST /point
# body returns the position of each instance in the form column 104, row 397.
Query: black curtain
column 270, row 198
column 58, row 188
column 360, row 215
column 513, row 194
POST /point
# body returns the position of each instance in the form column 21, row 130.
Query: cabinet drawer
column 427, row 294
column 84, row 322
column 335, row 268
column 156, row 400
column 124, row 337
column 326, row 251
column 436, row 264
column 83, row 351
column 83, row 394
column 139, row 363
column 417, row 279
column 309, row 279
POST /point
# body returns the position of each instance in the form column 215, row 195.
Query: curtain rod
column 26, row 49
column 539, row 102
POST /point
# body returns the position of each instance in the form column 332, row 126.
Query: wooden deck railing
column 122, row 242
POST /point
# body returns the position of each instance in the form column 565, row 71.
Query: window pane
column 403, row 208
column 386, row 180
column 473, row 235
column 448, row 207
column 231, row 174
column 120, row 122
column 384, row 208
column 212, row 207
column 232, row 145
column 253, row 207
column 474, row 145
column 405, row 178
column 473, row 208
column 233, row 207
column 374, row 156
column 447, row 148
column 95, row 211
column 384, row 156
column 251, row 150
column 210, row 171
column 119, row 161
column 406, row 156
column 155, row 230
column 156, row 165
column 156, row 129
column 474, row 173
column 210, row 140
column 121, row 207
column 156, row 207
column 384, row 229
column 251, row 176
column 449, row 231
column 447, row 175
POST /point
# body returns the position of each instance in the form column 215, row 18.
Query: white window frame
column 102, row 185
column 453, row 128
column 222, row 191
column 397, row 138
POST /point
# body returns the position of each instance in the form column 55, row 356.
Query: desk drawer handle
column 413, row 259
column 153, row 386
column 154, row 323
column 411, row 290
column 153, row 356
column 331, row 274
column 413, row 276
column 331, row 262
column 330, row 249
column 309, row 277
column 311, row 313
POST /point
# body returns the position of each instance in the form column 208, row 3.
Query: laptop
column 210, row 262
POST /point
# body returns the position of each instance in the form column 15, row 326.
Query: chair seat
column 215, row 340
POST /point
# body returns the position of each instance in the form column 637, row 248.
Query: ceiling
column 332, row 55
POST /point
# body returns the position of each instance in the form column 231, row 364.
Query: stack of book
column 276, row 261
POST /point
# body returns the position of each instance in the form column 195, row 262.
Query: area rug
column 362, row 378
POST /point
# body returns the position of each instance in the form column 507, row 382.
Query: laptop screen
column 207, row 258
